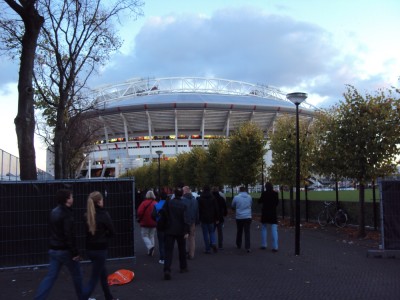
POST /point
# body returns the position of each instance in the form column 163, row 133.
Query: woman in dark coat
column 100, row 229
column 269, row 220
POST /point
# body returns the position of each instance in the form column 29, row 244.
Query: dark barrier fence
column 390, row 212
column 24, row 216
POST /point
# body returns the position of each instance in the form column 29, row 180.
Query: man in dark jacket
column 209, row 216
column 193, row 214
column 223, row 211
column 269, row 201
column 177, row 230
column 62, row 246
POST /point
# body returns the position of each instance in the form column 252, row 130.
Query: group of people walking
column 63, row 249
column 184, row 211
column 173, row 220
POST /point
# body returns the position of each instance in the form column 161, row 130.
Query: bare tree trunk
column 25, row 119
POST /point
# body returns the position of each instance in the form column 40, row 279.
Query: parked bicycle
column 329, row 216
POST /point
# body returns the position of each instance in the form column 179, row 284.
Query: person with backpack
column 147, row 223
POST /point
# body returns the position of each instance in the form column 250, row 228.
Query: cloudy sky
column 312, row 46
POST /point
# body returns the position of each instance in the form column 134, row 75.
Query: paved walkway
column 329, row 267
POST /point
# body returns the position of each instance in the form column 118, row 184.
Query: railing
column 151, row 86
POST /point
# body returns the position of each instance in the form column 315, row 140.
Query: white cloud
column 241, row 44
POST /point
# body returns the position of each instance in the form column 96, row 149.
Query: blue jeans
column 161, row 244
column 58, row 258
column 274, row 235
column 99, row 271
column 243, row 225
column 208, row 235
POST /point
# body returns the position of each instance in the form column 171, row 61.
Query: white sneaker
column 161, row 261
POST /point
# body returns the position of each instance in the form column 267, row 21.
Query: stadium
column 144, row 118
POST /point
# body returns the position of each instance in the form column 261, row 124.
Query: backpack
column 161, row 217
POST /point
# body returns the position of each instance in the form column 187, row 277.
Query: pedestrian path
column 329, row 266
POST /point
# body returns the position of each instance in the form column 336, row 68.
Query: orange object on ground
column 120, row 277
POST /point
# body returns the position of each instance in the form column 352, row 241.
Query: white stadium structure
column 144, row 116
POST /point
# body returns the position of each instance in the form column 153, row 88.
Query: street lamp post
column 159, row 152
column 262, row 174
column 297, row 99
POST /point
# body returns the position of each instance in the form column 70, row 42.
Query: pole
column 296, row 99
column 297, row 224
column 262, row 174
column 159, row 152
column 159, row 174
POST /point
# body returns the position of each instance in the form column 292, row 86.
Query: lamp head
column 159, row 152
column 297, row 98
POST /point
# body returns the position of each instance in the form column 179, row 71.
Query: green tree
column 325, row 155
column 197, row 168
column 367, row 138
column 283, row 146
column 246, row 147
column 217, row 162
column 180, row 173
column 19, row 39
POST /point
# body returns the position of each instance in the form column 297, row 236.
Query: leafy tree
column 180, row 172
column 197, row 167
column 77, row 38
column 283, row 147
column 19, row 39
column 217, row 162
column 246, row 147
column 367, row 137
column 325, row 155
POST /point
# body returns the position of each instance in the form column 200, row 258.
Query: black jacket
column 178, row 219
column 208, row 208
column 104, row 231
column 62, row 231
column 222, row 209
column 269, row 201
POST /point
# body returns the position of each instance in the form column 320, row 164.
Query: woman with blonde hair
column 147, row 223
column 100, row 229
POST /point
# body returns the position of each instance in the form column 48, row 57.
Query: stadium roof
column 189, row 106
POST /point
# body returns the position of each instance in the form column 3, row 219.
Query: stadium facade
column 142, row 116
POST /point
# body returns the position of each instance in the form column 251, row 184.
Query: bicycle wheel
column 323, row 218
column 340, row 218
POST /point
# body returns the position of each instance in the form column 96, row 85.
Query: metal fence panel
column 24, row 215
column 390, row 212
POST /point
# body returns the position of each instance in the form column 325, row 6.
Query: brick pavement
column 330, row 266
